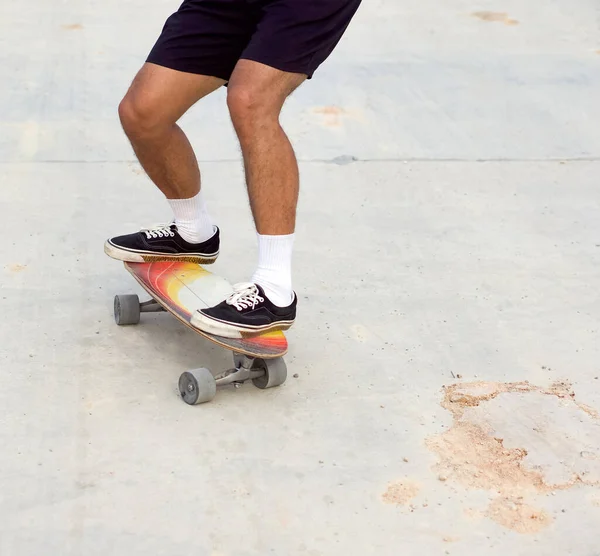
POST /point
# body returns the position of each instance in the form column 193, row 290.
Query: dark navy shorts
column 208, row 37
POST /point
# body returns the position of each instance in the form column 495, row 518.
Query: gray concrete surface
column 447, row 263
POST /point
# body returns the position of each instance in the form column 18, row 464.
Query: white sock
column 274, row 271
column 193, row 222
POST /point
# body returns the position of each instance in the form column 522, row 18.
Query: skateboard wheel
column 275, row 372
column 127, row 309
column 197, row 386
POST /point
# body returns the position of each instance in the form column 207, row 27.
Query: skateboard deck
column 182, row 288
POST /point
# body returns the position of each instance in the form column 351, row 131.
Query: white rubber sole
column 228, row 330
column 125, row 255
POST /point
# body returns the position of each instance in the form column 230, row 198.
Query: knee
column 139, row 118
column 248, row 107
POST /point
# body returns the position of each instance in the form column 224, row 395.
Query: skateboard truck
column 151, row 306
column 199, row 385
column 128, row 308
column 242, row 372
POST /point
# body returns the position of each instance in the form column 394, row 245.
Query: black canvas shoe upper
column 249, row 307
column 165, row 240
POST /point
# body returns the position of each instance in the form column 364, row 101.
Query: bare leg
column 157, row 98
column 256, row 94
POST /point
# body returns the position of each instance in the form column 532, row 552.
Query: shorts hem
column 186, row 68
column 280, row 65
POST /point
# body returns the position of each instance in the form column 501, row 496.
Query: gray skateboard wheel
column 127, row 309
column 197, row 386
column 275, row 373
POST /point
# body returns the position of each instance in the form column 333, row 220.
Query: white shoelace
column 158, row 230
column 245, row 296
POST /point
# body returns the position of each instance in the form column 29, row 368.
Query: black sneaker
column 246, row 312
column 162, row 243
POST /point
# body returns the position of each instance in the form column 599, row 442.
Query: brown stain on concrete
column 515, row 514
column 400, row 492
column 335, row 116
column 469, row 453
column 16, row 267
column 500, row 17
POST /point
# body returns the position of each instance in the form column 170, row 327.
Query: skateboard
column 181, row 288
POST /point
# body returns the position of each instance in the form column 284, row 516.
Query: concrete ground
column 447, row 353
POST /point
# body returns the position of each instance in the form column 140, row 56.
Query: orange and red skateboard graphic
column 182, row 288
